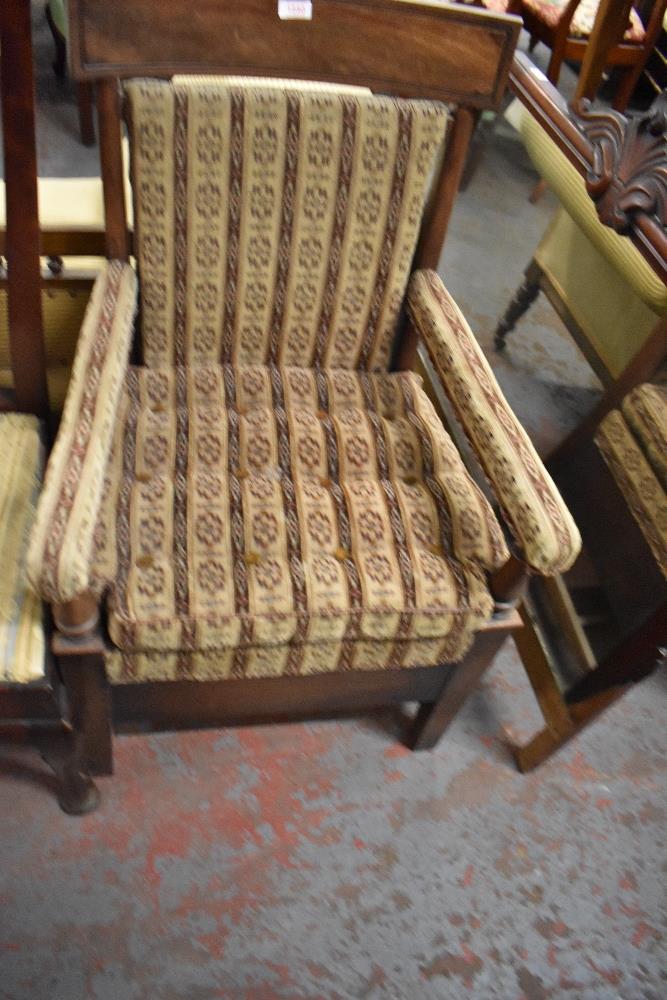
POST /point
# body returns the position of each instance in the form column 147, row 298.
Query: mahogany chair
column 252, row 508
column 565, row 27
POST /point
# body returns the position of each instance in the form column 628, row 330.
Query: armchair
column 269, row 517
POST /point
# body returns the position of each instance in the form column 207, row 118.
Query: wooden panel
column 188, row 704
column 445, row 52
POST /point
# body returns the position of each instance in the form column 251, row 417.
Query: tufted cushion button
column 410, row 480
column 437, row 550
column 342, row 554
column 145, row 561
column 322, row 414
column 326, row 483
column 241, row 472
column 242, row 410
column 143, row 477
column 251, row 558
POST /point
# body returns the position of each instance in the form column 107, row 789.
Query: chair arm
column 541, row 523
column 61, row 547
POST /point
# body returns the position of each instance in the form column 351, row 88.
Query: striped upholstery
column 22, row 646
column 642, row 490
column 645, row 409
column 61, row 547
column 306, row 509
column 542, row 525
column 264, row 497
column 307, row 259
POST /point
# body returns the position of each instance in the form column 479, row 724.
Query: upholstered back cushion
column 275, row 225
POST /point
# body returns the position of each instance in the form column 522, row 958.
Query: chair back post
column 108, row 110
column 28, row 355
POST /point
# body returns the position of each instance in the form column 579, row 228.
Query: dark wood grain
column 111, row 158
column 408, row 49
column 18, row 119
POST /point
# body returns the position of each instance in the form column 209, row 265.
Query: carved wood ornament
column 628, row 174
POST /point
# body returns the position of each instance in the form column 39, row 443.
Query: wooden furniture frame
column 604, row 47
column 625, row 166
column 346, row 42
column 34, row 710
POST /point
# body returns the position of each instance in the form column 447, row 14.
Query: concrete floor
column 324, row 861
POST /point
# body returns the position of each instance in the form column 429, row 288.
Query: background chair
column 565, row 26
column 599, row 284
column 271, row 520
column 616, row 487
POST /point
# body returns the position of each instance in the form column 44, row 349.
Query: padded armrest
column 61, row 546
column 541, row 523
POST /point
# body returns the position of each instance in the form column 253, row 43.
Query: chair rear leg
column 524, row 297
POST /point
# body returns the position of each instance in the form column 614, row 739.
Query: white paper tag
column 295, row 10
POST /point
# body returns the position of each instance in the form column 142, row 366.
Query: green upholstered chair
column 601, row 286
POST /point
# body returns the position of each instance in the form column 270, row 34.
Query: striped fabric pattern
column 541, row 523
column 22, row 644
column 637, row 481
column 289, row 508
column 61, row 547
column 645, row 409
column 275, row 226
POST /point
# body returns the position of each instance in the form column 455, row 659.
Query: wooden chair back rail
column 346, row 42
column 405, row 49
column 568, row 128
column 23, row 237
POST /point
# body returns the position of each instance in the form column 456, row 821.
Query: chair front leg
column 78, row 646
column 523, row 298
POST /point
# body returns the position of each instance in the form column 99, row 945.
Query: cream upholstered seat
column 22, row 644
column 263, row 496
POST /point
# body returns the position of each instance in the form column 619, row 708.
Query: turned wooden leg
column 524, row 296
column 90, row 708
column 433, row 718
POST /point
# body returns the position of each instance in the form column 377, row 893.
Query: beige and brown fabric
column 324, row 515
column 274, row 225
column 542, row 525
column 61, row 548
column 645, row 409
column 635, row 475
column 22, row 644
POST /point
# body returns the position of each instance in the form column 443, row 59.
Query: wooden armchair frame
column 346, row 43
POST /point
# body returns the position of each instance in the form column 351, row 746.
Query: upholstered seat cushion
column 253, row 508
column 22, row 648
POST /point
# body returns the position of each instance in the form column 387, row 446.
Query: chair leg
column 89, row 700
column 84, row 96
column 524, row 297
column 433, row 718
column 76, row 792
column 60, row 60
